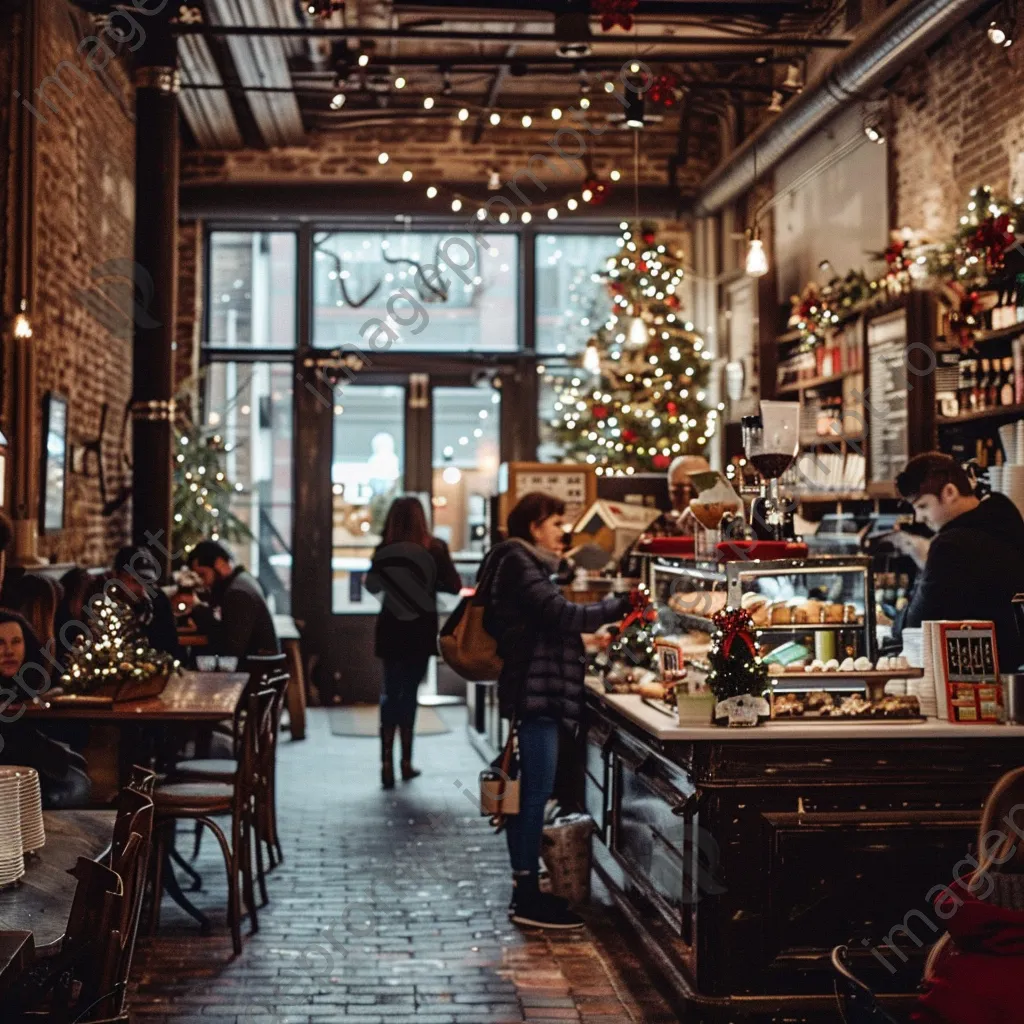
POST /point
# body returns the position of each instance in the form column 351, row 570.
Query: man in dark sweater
column 974, row 564
column 237, row 621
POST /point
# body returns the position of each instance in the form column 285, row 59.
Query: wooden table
column 41, row 901
column 291, row 644
column 192, row 697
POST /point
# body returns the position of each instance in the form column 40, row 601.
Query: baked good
column 749, row 600
column 808, row 611
column 653, row 691
column 818, row 700
column 850, row 613
column 775, row 669
column 832, row 665
column 862, row 664
column 883, row 664
column 780, row 614
column 833, row 612
column 815, row 666
column 847, row 665
column 787, row 705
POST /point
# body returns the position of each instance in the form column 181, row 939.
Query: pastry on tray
column 787, row 705
column 780, row 614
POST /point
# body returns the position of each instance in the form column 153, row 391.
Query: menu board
column 574, row 484
column 886, row 397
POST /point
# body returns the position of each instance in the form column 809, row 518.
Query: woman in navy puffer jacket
column 541, row 684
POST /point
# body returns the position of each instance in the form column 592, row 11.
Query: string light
column 406, row 175
column 428, row 102
column 556, row 114
column 431, row 192
column 456, row 205
column 495, row 118
column 364, row 59
column 552, row 213
column 526, row 217
column 615, row 175
column 399, row 82
column 463, row 114
column 527, row 120
column 584, row 103
column 572, row 204
column 337, row 101
column 382, row 158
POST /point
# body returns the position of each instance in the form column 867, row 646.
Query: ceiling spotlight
column 463, row 114
column 775, row 106
column 337, row 101
column 584, row 103
column 615, row 175
column 556, row 114
column 456, row 205
column 794, row 80
column 526, row 216
column 406, row 175
column 364, row 59
column 552, row 213
column 873, row 129
column 400, row 82
column 431, row 192
column 635, row 110
column 382, row 158
column 428, row 102
column 527, row 120
column 495, row 119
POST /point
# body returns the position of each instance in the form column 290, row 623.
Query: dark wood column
column 156, row 256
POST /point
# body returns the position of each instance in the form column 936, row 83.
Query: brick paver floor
column 390, row 908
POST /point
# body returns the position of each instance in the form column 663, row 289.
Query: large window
column 416, row 291
column 572, row 301
column 250, row 406
column 251, row 296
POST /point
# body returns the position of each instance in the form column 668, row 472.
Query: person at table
column 63, row 776
column 138, row 572
column 237, row 619
column 34, row 597
column 680, row 491
column 409, row 569
column 974, row 564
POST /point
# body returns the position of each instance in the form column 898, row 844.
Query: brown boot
column 408, row 772
column 387, row 756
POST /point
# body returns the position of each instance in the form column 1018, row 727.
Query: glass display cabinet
column 805, row 609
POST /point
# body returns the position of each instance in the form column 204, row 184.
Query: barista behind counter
column 681, row 489
column 974, row 564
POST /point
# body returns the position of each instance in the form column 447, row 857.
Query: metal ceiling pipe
column 904, row 32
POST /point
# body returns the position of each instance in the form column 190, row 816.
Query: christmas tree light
column 639, row 400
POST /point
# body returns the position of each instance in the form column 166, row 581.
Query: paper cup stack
column 1008, row 479
column 12, row 858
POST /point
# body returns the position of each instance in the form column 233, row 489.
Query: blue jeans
column 402, row 677
column 538, row 760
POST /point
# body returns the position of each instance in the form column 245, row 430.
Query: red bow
column 735, row 624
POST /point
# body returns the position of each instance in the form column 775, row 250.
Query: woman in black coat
column 541, row 684
column 409, row 568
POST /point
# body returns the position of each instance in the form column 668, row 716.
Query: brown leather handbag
column 464, row 643
column 499, row 784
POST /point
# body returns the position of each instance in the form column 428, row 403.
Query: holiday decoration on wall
column 614, row 12
column 115, row 659
column 738, row 677
column 638, row 398
column 666, row 90
column 983, row 255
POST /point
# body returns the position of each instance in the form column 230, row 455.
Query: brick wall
column 81, row 319
column 958, row 121
column 188, row 325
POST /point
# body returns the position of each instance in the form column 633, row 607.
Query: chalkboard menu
column 886, row 397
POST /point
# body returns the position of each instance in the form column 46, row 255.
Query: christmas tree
column 639, row 398
column 736, row 666
column 115, row 652
column 634, row 642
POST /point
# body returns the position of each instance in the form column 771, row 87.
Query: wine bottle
column 1008, row 388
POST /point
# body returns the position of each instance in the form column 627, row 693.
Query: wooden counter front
column 743, row 856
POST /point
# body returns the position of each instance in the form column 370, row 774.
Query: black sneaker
column 535, row 909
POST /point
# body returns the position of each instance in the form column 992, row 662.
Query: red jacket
column 978, row 978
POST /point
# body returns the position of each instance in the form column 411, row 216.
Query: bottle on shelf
column 982, row 385
column 1008, row 386
column 994, row 382
column 970, row 398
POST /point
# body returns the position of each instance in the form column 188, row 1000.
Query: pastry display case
column 807, row 610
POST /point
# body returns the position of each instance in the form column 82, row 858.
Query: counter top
column 662, row 727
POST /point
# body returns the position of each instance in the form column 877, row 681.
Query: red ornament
column 661, row 462
column 672, row 302
column 672, row 408
column 600, row 412
column 629, row 436
column 664, row 90
column 641, row 265
column 598, row 189
column 614, row 12
column 648, row 237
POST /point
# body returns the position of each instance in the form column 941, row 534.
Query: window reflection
column 572, row 302
column 394, row 291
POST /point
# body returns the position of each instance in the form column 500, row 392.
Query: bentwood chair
column 202, row 801
column 857, row 1003
column 272, row 674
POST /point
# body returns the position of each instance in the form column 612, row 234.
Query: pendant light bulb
column 637, row 333
column 757, row 259
column 635, row 110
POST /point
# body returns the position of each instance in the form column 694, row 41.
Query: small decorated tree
column 738, row 677
column 633, row 645
column 116, row 653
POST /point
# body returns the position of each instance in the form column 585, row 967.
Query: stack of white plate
column 12, row 859
column 995, row 479
column 1013, row 485
column 1011, row 448
column 33, row 837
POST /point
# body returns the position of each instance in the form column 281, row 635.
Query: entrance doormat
column 364, row 720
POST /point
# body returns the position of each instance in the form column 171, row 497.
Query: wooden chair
column 857, row 1003
column 272, row 676
column 203, row 800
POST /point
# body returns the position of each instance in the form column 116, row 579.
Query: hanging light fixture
column 22, row 328
column 794, row 80
column 775, row 106
column 757, row 258
column 635, row 110
column 637, row 333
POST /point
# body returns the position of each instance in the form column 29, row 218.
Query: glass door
column 368, row 466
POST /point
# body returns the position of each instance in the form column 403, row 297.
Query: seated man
column 238, row 621
column 138, row 572
column 974, row 564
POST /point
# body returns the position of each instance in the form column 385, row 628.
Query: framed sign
column 54, row 462
column 969, row 665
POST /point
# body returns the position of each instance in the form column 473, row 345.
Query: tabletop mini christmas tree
column 116, row 655
column 738, row 677
column 639, row 396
